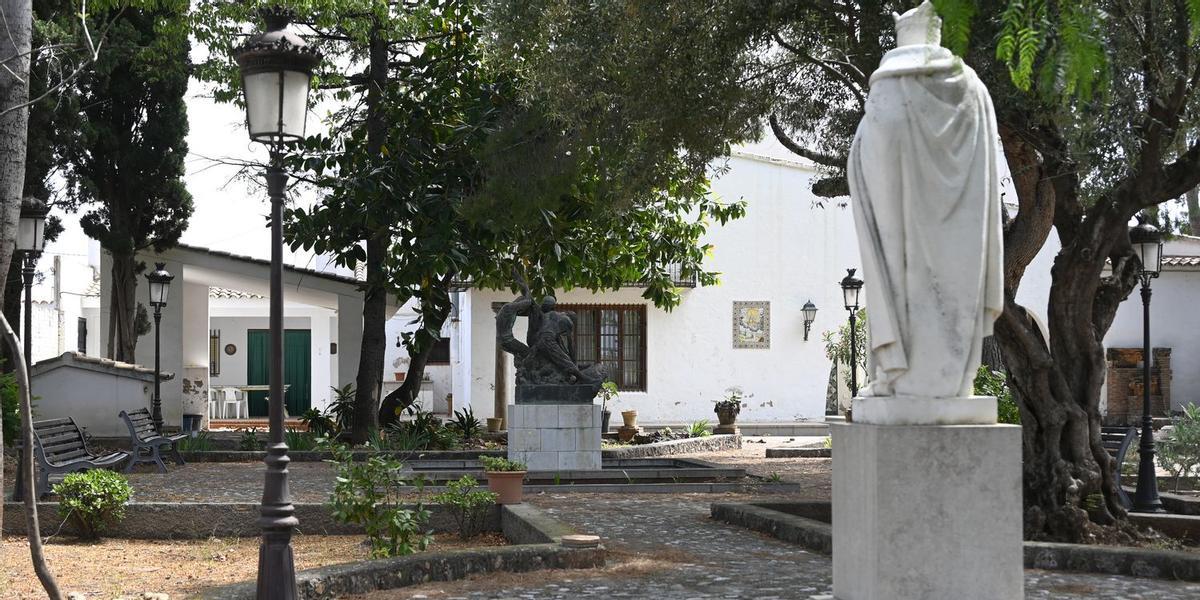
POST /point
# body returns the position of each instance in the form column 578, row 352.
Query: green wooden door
column 297, row 369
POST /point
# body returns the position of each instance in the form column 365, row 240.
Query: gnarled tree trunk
column 122, row 308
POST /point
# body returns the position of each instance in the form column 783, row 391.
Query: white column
column 349, row 338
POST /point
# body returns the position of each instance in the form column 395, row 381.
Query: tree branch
column 817, row 157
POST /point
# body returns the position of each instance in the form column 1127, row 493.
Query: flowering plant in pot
column 608, row 391
column 505, row 477
column 728, row 407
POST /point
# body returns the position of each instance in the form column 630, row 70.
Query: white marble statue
column 924, row 189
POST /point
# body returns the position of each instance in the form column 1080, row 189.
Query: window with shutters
column 614, row 336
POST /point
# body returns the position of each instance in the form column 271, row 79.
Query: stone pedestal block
column 555, row 437
column 927, row 512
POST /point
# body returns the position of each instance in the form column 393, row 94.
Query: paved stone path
column 689, row 556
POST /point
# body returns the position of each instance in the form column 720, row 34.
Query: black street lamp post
column 851, row 286
column 160, row 284
column 30, row 242
column 1147, row 243
column 276, row 68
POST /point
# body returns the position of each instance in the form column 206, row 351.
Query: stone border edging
column 235, row 456
column 817, row 536
column 535, row 534
column 799, row 452
column 708, row 443
column 200, row 520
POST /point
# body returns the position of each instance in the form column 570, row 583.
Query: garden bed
column 708, row 443
column 808, row 524
column 537, row 543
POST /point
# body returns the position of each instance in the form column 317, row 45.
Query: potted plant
column 727, row 408
column 608, row 391
column 401, row 366
column 495, row 424
column 505, row 477
column 630, row 418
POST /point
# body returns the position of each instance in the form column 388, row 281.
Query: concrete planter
column 727, row 417
column 508, row 485
column 630, row 418
column 495, row 424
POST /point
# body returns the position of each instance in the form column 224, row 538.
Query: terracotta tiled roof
column 95, row 363
column 1181, row 261
column 220, row 292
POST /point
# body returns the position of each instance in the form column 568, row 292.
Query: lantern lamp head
column 850, row 289
column 160, row 283
column 276, row 68
column 31, row 231
column 1147, row 244
column 810, row 315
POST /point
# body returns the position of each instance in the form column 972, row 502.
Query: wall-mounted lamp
column 810, row 315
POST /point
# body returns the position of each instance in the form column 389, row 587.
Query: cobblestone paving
column 702, row 559
column 228, row 482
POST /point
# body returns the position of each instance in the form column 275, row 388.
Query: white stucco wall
column 785, row 251
column 440, row 375
column 234, row 331
column 94, row 399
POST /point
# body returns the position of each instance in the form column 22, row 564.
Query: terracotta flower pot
column 400, row 375
column 508, row 485
column 495, row 424
column 630, row 418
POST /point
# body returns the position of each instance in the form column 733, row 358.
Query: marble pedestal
column 555, row 437
column 927, row 512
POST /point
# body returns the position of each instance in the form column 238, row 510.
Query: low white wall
column 94, row 399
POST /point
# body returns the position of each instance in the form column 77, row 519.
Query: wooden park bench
column 1117, row 441
column 60, row 447
column 146, row 442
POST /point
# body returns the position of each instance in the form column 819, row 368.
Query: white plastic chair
column 231, row 397
column 212, row 403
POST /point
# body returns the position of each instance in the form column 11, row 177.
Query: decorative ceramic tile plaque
column 751, row 324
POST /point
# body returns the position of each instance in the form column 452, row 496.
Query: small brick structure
column 1125, row 385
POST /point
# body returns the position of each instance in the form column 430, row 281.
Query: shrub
column 318, row 423
column 699, row 429
column 10, row 405
column 1179, row 452
column 734, row 400
column 369, row 494
column 995, row 383
column 468, row 506
column 250, row 441
column 92, row 500
column 608, row 391
column 499, row 463
column 466, row 425
column 202, row 442
column 300, row 441
column 341, row 408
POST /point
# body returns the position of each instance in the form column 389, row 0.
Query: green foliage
column 468, row 506
column 995, row 383
column 370, row 494
column 1179, row 452
column 10, row 408
column 774, row 477
column 734, row 399
column 699, row 429
column 201, row 442
column 92, row 500
column 341, row 408
column 466, row 425
column 837, row 343
column 300, row 441
column 317, row 422
column 499, row 463
column 249, row 441
column 608, row 391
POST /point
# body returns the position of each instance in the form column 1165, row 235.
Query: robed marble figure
column 925, row 196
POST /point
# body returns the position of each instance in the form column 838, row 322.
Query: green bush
column 994, row 383
column 1179, row 451
column 699, row 429
column 300, row 441
column 203, row 442
column 466, row 425
column 498, row 463
column 10, row 404
column 92, row 500
column 468, row 506
column 250, row 441
column 369, row 494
